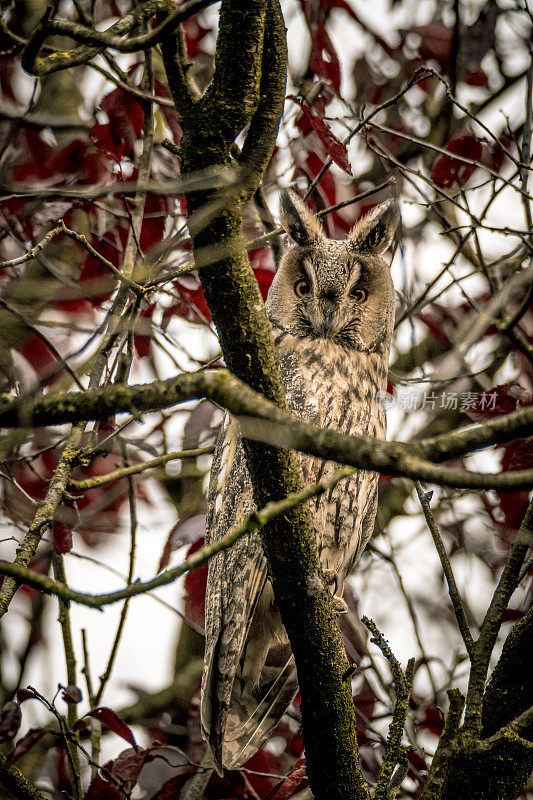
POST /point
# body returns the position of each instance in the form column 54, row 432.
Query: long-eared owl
column 331, row 307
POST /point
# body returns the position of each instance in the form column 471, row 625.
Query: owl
column 331, row 308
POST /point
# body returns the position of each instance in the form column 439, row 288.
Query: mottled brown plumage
column 331, row 306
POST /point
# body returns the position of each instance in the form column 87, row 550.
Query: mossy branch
column 467, row 766
column 135, row 469
column 437, row 771
column 279, row 427
column 44, row 514
column 253, row 523
column 510, row 690
column 15, row 782
column 492, row 622
column 392, row 755
column 94, row 41
column 256, row 151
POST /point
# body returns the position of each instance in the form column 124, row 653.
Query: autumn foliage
column 72, row 151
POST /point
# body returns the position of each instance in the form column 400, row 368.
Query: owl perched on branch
column 331, row 307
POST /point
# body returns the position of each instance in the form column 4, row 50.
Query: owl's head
column 336, row 290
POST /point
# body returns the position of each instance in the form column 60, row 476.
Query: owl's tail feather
column 247, row 726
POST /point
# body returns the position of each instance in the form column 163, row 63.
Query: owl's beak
column 329, row 309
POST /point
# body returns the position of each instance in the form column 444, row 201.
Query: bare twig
column 135, row 469
column 492, row 622
column 455, row 597
column 70, row 660
column 133, row 542
column 251, row 524
column 391, row 757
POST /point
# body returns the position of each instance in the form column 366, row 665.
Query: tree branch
column 135, row 469
column 492, row 622
column 253, row 523
column 38, row 65
column 391, row 757
column 15, row 782
column 282, row 429
column 44, row 514
column 455, row 597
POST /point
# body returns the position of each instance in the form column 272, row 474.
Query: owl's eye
column 359, row 295
column 302, row 287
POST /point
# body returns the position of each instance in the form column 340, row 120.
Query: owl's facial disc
column 330, row 292
column 327, row 294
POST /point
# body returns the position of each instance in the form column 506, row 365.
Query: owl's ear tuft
column 375, row 232
column 298, row 220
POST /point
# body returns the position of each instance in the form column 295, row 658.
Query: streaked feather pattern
column 333, row 357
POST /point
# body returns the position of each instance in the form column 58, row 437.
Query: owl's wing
column 234, row 721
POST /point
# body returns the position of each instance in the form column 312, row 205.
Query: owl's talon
column 339, row 605
column 332, row 577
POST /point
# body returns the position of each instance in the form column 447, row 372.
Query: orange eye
column 359, row 295
column 302, row 288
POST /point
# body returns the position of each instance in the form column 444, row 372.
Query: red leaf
column 194, row 585
column 102, row 789
column 38, row 354
column 340, row 4
column 71, row 694
column 10, row 719
column 417, row 761
column 500, row 400
column 259, row 768
column 333, row 146
column 95, row 278
column 25, row 744
column 295, row 781
column 442, row 321
column 195, row 33
column 262, row 258
column 184, row 532
column 477, row 78
column 125, row 118
column 264, row 278
column 517, row 455
column 478, row 38
column 142, row 337
column 104, row 140
column 193, row 306
column 436, row 42
column 156, row 210
column 448, row 171
column 432, row 719
column 38, row 154
column 78, row 306
column 323, row 59
column 128, row 765
column 171, row 789
column 26, row 694
column 62, row 536
column 512, row 614
column 82, row 159
column 497, row 154
column 108, row 717
column 61, row 770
